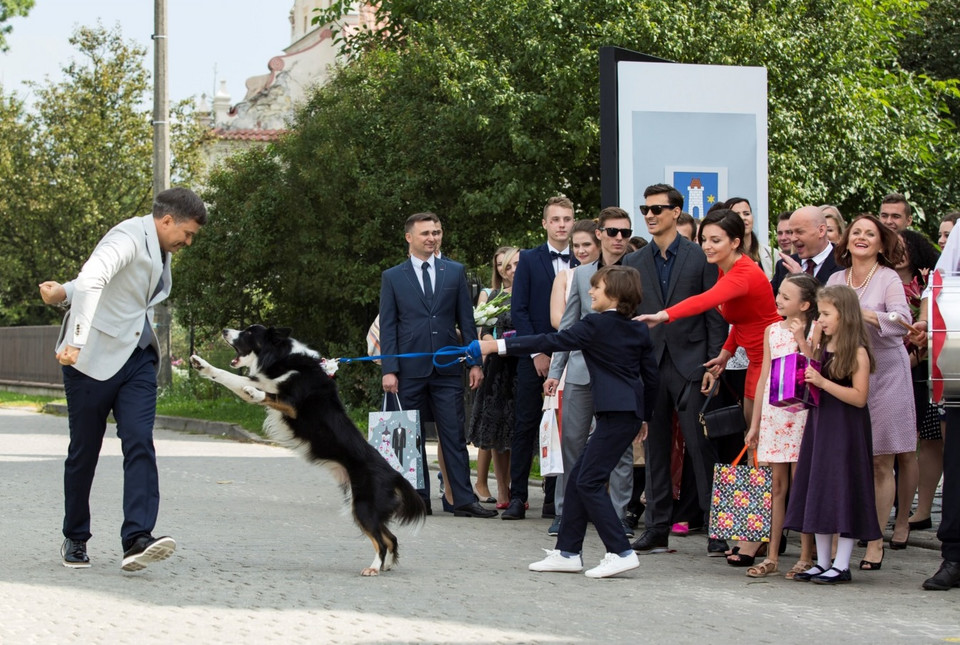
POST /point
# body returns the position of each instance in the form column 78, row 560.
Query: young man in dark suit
column 672, row 269
column 423, row 302
column 812, row 251
column 530, row 310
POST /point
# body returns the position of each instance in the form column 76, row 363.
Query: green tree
column 83, row 163
column 479, row 111
column 10, row 9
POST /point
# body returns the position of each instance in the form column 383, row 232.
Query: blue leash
column 461, row 354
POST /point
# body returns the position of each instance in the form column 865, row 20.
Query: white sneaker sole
column 611, row 571
column 76, row 565
column 551, row 568
column 162, row 549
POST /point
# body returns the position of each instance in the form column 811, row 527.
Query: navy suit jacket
column 530, row 298
column 827, row 269
column 693, row 340
column 619, row 356
column 408, row 324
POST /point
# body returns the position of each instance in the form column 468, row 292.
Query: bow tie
column 563, row 256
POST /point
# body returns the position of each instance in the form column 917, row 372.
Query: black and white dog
column 306, row 414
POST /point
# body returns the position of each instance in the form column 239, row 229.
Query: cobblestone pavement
column 266, row 556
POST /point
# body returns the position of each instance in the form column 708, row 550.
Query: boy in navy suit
column 624, row 379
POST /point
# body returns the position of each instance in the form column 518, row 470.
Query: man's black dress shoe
column 74, row 554
column 549, row 511
column 651, row 542
column 946, row 577
column 473, row 509
column 515, row 511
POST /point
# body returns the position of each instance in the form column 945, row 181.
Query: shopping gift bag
column 551, row 460
column 396, row 436
column 741, row 503
column 788, row 389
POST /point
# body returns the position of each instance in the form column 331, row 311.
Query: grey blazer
column 578, row 306
column 112, row 296
column 694, row 340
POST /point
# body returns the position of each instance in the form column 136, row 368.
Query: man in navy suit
column 423, row 302
column 530, row 310
column 812, row 251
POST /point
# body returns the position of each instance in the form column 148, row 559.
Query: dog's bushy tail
column 411, row 509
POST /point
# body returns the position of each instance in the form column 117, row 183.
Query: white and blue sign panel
column 701, row 187
column 693, row 127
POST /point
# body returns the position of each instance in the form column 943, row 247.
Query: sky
column 227, row 40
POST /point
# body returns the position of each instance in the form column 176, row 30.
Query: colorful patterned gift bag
column 741, row 503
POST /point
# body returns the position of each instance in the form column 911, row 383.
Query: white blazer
column 113, row 294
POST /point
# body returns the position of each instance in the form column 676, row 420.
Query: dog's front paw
column 253, row 395
column 201, row 366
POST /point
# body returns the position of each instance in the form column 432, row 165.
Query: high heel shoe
column 899, row 546
column 866, row 565
column 921, row 525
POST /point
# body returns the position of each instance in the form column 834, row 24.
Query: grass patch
column 27, row 401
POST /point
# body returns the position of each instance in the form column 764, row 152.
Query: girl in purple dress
column 832, row 489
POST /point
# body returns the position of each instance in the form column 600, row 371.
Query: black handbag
column 723, row 421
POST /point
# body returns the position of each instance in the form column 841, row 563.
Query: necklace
column 866, row 280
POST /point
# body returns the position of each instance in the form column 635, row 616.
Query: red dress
column 745, row 300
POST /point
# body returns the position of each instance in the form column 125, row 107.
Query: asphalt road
column 266, row 555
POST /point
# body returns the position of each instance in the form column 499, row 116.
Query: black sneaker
column 74, row 554
column 146, row 550
column 627, row 529
column 651, row 542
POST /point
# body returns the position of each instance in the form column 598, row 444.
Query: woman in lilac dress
column 870, row 251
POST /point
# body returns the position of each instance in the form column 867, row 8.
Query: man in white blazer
column 110, row 358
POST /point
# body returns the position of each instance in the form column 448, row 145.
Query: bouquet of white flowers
column 486, row 314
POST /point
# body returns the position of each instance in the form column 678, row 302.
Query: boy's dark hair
column 180, row 203
column 611, row 212
column 898, row 198
column 621, row 284
column 784, row 216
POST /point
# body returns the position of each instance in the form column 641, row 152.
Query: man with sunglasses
column 672, row 268
column 530, row 310
column 614, row 231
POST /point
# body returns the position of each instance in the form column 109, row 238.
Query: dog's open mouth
column 236, row 361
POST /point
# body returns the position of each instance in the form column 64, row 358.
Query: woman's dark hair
column 921, row 254
column 891, row 248
column 754, row 249
column 621, row 284
column 730, row 222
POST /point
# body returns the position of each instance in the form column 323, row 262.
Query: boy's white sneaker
column 557, row 562
column 612, row 564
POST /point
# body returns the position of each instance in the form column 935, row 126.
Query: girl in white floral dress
column 775, row 433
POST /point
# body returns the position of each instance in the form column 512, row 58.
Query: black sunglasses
column 612, row 232
column 657, row 209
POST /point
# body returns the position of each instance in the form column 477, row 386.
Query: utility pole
column 161, row 163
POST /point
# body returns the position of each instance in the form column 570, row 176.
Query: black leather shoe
column 921, row 525
column 74, row 554
column 803, row 576
column 515, row 511
column 842, row 576
column 473, row 509
column 549, row 511
column 946, row 577
column 651, row 542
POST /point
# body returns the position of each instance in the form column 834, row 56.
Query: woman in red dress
column 742, row 295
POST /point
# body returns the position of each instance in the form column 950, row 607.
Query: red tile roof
column 250, row 134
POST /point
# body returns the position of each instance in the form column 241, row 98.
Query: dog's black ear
column 282, row 332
